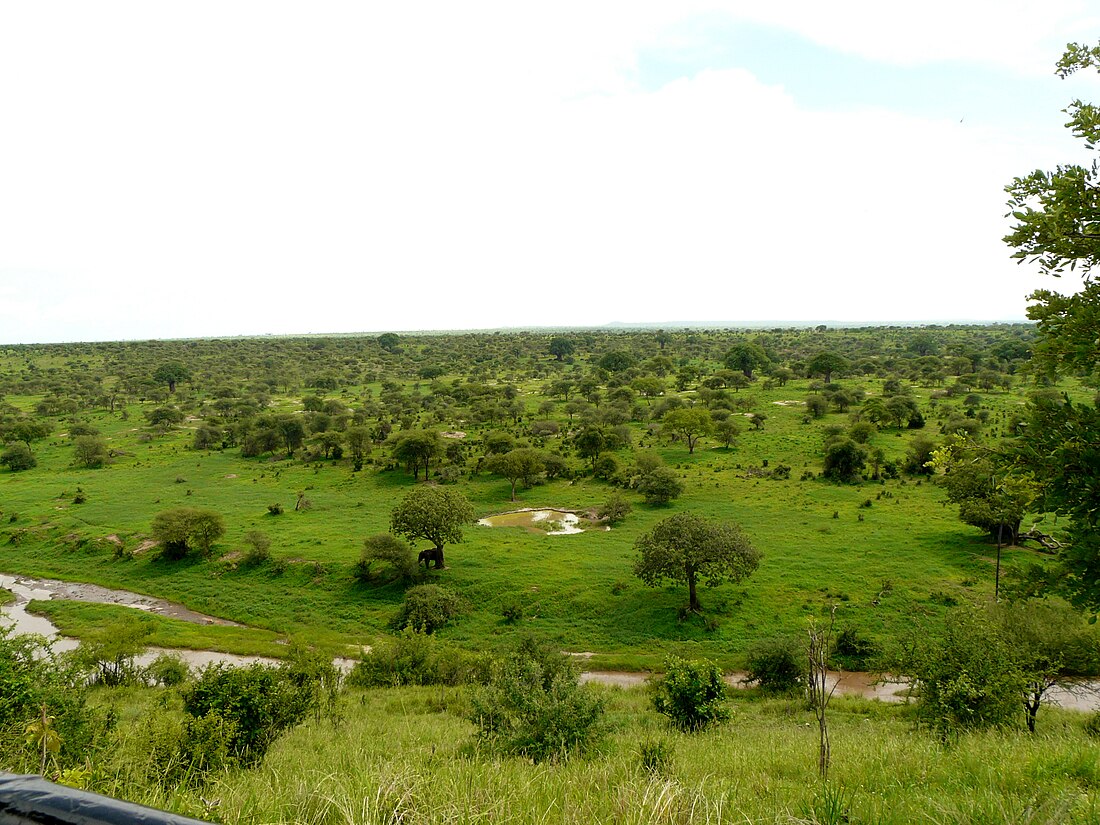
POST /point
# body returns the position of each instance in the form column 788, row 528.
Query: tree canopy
column 435, row 514
column 1057, row 216
column 686, row 548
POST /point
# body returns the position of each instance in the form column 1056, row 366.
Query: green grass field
column 887, row 565
column 408, row 755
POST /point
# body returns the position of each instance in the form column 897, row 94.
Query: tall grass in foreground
column 406, row 756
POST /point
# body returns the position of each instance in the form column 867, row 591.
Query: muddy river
column 1083, row 695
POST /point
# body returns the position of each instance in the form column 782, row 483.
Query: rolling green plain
column 890, row 554
column 888, row 565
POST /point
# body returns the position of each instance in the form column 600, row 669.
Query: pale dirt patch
column 145, row 546
column 231, row 475
column 453, row 434
column 789, row 403
column 114, row 539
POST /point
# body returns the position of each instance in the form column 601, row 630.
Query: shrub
column 389, row 551
column 844, row 460
column 534, row 706
column 415, row 658
column 259, row 547
column 660, row 486
column 692, row 694
column 32, row 676
column 861, row 432
column 967, row 678
column 275, row 509
column 107, row 653
column 776, row 666
column 512, row 612
column 167, row 670
column 427, row 607
column 89, row 451
column 184, row 528
column 259, row 701
column 18, row 457
column 852, row 651
column 615, row 509
column 605, row 467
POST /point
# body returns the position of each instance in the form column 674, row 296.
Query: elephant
column 435, row 554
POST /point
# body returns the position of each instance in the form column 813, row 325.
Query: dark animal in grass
column 435, row 554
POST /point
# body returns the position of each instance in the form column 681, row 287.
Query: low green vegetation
column 277, row 543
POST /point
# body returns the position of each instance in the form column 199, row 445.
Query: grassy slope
column 408, row 755
column 577, row 590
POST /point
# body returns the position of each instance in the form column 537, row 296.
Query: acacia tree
column 747, row 358
column 688, row 423
column 357, row 440
column 182, row 529
column 416, row 448
column 826, row 363
column 687, row 548
column 435, row 514
column 522, row 464
column 89, row 451
column 560, row 347
column 171, row 373
column 1058, row 227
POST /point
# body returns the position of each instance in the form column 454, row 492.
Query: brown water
column 1082, row 695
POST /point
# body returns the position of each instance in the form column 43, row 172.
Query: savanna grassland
column 815, row 442
column 890, row 552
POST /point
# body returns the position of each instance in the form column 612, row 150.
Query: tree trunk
column 693, row 598
column 513, row 490
column 439, row 565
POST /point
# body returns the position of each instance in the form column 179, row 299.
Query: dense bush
column 659, row 486
column 181, row 529
column 844, row 460
column 388, row 552
column 776, row 666
column 415, row 658
column 852, row 651
column 692, row 694
column 534, row 706
column 427, row 607
column 30, row 678
column 615, row 509
column 167, row 670
column 259, row 702
column 967, row 678
column 258, row 548
column 18, row 457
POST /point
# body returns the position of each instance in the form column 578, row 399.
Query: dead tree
column 820, row 692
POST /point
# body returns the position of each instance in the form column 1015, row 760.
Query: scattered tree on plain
column 182, row 529
column 688, row 423
column 687, row 548
column 524, row 464
column 435, row 514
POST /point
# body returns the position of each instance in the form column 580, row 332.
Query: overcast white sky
column 230, row 168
